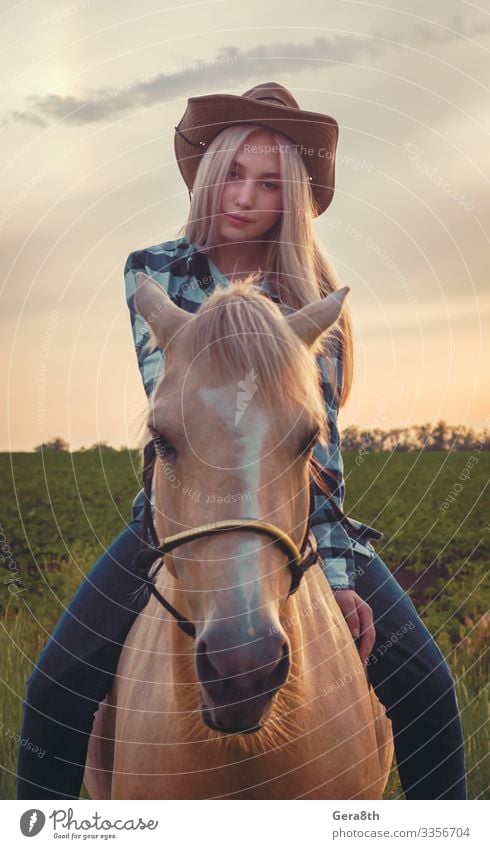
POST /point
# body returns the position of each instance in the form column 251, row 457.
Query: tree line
column 426, row 437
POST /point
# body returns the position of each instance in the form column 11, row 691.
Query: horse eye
column 309, row 442
column 162, row 445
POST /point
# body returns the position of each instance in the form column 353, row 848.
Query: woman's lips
column 236, row 220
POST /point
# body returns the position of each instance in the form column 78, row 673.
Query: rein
column 299, row 559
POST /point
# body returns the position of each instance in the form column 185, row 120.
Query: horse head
column 235, row 416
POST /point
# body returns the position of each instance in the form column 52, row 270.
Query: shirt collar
column 198, row 263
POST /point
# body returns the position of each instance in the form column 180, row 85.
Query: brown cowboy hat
column 274, row 107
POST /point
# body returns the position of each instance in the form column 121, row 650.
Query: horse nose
column 258, row 667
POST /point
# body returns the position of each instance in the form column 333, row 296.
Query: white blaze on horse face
column 248, row 438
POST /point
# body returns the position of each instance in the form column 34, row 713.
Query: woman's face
column 252, row 190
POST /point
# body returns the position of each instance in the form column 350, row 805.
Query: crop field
column 59, row 510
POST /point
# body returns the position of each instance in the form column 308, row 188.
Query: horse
column 252, row 687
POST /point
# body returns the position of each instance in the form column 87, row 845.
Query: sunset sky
column 90, row 94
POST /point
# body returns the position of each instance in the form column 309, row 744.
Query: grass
column 60, row 511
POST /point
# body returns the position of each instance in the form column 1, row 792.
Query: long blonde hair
column 293, row 258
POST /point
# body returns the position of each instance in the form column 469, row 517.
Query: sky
column 90, row 94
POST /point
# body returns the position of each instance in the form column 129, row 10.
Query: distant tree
column 394, row 440
column 101, row 446
column 350, row 438
column 365, row 441
column 423, row 436
column 379, row 439
column 459, row 438
column 56, row 444
column 440, row 436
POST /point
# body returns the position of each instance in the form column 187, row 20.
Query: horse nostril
column 207, row 672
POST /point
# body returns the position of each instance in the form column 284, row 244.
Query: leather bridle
column 299, row 559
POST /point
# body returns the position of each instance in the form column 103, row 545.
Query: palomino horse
column 271, row 700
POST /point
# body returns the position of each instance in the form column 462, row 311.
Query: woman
column 261, row 170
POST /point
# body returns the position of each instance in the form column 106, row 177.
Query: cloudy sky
column 91, row 91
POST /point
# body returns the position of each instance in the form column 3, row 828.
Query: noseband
column 299, row 559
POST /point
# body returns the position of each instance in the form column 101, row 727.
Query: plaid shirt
column 178, row 267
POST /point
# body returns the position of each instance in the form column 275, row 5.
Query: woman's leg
column 414, row 683
column 75, row 670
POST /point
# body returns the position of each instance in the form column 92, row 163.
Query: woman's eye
column 270, row 186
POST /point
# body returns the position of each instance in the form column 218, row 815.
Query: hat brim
column 313, row 134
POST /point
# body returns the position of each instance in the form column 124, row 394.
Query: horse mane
column 240, row 334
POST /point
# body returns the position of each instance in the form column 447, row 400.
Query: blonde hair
column 294, row 260
column 250, row 339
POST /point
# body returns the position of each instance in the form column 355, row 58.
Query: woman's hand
column 359, row 618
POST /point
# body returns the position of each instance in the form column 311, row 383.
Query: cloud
column 233, row 66
column 239, row 66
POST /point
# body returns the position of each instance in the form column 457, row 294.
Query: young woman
column 261, row 169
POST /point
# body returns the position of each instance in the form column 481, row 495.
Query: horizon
column 462, row 431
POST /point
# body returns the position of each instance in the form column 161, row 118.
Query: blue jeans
column 412, row 680
column 75, row 671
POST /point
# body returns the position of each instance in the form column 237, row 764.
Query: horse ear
column 154, row 305
column 314, row 319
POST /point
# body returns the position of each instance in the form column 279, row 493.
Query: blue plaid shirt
column 177, row 267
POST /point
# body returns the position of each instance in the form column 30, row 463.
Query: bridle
column 300, row 559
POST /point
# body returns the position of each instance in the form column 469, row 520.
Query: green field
column 59, row 510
